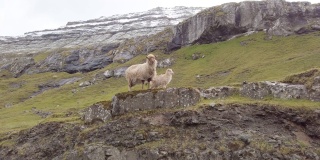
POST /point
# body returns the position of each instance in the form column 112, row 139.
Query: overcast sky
column 20, row 16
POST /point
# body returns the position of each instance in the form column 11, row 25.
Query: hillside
column 253, row 93
column 247, row 58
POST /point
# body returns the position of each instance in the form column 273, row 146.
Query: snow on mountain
column 93, row 32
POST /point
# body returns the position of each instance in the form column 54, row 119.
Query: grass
column 291, row 103
column 224, row 63
column 229, row 62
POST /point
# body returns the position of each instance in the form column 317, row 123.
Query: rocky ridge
column 220, row 23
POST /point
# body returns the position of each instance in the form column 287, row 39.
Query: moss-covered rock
column 152, row 99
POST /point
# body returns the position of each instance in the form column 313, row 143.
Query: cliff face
column 219, row 23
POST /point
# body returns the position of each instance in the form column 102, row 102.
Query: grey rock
column 312, row 155
column 144, row 100
column 129, row 155
column 245, row 138
column 119, row 72
column 109, row 47
column 18, row 66
column 96, row 112
column 247, row 153
column 42, row 114
column 315, row 93
column 316, row 81
column 58, row 83
column 122, row 57
column 165, row 63
column 218, row 92
column 91, row 63
column 102, row 152
column 8, row 105
column 260, row 90
column 84, row 84
column 108, row 73
column 54, row 84
column 196, row 56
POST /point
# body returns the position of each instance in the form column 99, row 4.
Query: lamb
column 162, row 80
column 141, row 72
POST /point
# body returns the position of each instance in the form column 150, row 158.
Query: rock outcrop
column 144, row 100
column 99, row 112
column 127, row 102
column 260, row 90
column 220, row 23
column 219, row 92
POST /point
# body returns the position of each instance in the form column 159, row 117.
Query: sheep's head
column 169, row 71
column 151, row 59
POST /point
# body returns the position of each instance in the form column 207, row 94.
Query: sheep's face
column 169, row 71
column 151, row 59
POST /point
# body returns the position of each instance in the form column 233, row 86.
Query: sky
column 20, row 16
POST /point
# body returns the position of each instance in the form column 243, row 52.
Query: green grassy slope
column 248, row 58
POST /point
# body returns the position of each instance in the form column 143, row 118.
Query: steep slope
column 220, row 23
column 249, row 58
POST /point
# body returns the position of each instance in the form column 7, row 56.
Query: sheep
column 162, row 80
column 141, row 72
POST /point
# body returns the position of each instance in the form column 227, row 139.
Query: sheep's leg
column 130, row 84
column 149, row 80
column 142, row 81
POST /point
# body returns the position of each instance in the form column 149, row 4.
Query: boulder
column 119, row 72
column 260, row 90
column 315, row 89
column 97, row 112
column 108, row 47
column 108, row 73
column 165, row 63
column 18, row 66
column 85, row 84
column 218, row 92
column 122, row 57
column 146, row 99
column 102, row 152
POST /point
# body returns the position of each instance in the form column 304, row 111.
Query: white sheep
column 141, row 72
column 162, row 80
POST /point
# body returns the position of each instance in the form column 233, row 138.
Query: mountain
column 88, row 41
column 97, row 32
